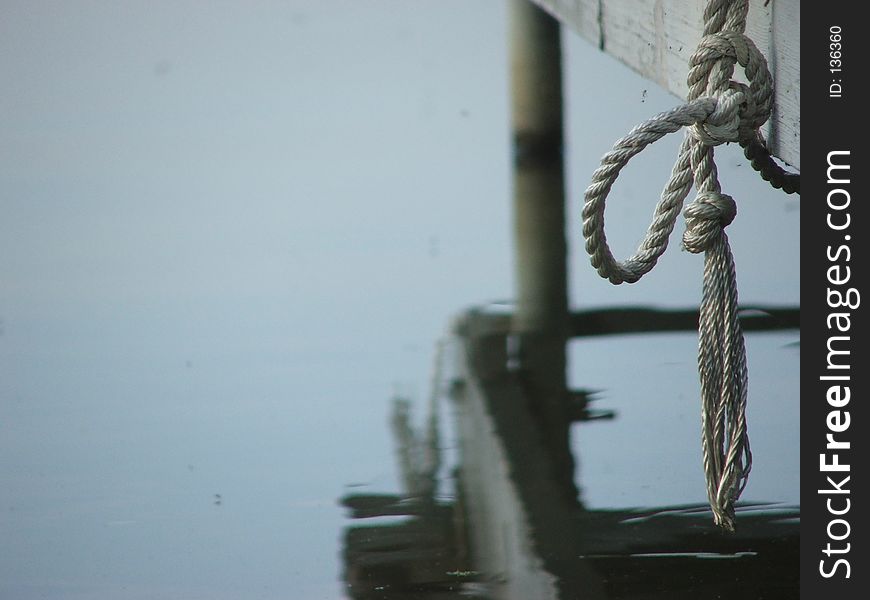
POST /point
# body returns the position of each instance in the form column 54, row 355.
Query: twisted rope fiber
column 718, row 110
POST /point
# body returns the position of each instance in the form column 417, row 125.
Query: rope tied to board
column 718, row 110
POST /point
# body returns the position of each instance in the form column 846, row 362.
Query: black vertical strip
column 834, row 263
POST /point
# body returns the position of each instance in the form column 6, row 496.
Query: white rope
column 718, row 110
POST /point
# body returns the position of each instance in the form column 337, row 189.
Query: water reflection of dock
column 517, row 528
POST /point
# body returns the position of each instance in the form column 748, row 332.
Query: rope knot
column 728, row 121
column 740, row 109
column 706, row 218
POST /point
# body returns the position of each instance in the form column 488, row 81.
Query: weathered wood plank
column 657, row 37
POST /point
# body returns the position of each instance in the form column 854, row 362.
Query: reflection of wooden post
column 541, row 319
column 520, row 501
column 539, row 198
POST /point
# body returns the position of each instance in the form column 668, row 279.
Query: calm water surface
column 231, row 238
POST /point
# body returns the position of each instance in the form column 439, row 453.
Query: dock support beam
column 540, row 320
column 539, row 196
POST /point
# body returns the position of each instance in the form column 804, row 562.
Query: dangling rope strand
column 718, row 110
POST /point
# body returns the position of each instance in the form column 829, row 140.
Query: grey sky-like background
column 229, row 231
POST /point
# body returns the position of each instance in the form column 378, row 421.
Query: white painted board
column 656, row 38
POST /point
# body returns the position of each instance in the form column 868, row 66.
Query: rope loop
column 706, row 218
column 668, row 209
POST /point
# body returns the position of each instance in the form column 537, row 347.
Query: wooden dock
column 657, row 37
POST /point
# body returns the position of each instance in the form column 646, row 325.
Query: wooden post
column 540, row 320
column 539, row 197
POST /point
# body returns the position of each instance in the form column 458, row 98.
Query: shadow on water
column 515, row 525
